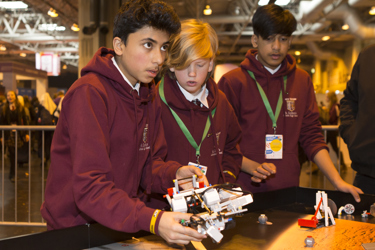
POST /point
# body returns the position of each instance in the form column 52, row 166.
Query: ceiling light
column 263, row 2
column 345, row 27
column 52, row 13
column 282, row 2
column 237, row 10
column 3, row 48
column 13, row 5
column 207, row 11
column 297, row 53
column 372, row 11
column 50, row 27
column 75, row 27
column 23, row 54
column 326, row 38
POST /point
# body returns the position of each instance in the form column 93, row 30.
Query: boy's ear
column 117, row 42
column 211, row 65
column 171, row 69
column 254, row 41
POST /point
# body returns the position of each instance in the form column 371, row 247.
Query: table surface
column 283, row 208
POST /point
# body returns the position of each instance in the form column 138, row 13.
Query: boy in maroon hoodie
column 192, row 100
column 267, row 84
column 200, row 125
column 109, row 140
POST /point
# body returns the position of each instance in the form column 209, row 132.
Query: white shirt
column 201, row 96
column 137, row 85
column 272, row 71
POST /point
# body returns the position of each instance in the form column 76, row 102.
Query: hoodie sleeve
column 94, row 190
column 232, row 157
column 311, row 137
column 349, row 105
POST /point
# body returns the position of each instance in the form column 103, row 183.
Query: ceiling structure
column 20, row 30
column 24, row 32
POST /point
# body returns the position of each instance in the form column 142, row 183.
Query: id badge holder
column 201, row 167
column 274, row 146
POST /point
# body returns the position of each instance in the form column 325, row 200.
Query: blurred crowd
column 23, row 110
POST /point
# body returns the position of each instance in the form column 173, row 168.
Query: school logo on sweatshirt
column 291, row 107
column 217, row 140
column 144, row 144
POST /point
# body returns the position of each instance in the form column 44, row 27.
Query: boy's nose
column 191, row 71
column 159, row 57
column 276, row 44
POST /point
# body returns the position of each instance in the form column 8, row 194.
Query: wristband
column 153, row 221
column 230, row 173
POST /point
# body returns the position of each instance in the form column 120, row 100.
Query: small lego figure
column 365, row 214
column 309, row 241
column 262, row 219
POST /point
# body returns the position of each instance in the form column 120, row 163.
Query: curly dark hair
column 136, row 14
column 272, row 19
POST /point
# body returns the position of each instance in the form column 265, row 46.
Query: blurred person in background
column 3, row 100
column 47, row 102
column 30, row 108
column 333, row 119
column 13, row 113
column 44, row 118
column 357, row 120
column 59, row 95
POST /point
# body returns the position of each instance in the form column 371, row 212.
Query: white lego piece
column 364, row 214
column 215, row 234
column 340, row 210
column 324, row 208
column 211, row 197
column 179, row 205
column 228, row 194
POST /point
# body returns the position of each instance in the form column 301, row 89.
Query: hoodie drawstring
column 149, row 167
column 134, row 193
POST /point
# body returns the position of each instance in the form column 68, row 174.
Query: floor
column 22, row 202
column 34, row 173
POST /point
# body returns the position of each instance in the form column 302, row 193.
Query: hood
column 176, row 99
column 102, row 64
column 251, row 63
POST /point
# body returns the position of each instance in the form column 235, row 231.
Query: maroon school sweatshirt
column 297, row 122
column 219, row 150
column 108, row 142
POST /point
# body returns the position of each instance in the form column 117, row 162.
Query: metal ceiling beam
column 21, row 29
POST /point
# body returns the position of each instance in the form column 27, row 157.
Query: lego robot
column 212, row 206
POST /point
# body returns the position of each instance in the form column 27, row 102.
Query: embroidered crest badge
column 290, row 105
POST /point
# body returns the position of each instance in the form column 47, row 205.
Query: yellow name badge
column 274, row 147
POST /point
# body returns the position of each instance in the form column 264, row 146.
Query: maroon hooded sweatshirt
column 297, row 122
column 224, row 132
column 108, row 142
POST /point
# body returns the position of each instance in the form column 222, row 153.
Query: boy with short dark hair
column 109, row 139
column 276, row 107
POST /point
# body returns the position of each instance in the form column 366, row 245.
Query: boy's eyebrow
column 152, row 40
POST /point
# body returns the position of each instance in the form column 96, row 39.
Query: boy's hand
column 347, row 188
column 189, row 171
column 173, row 232
column 263, row 171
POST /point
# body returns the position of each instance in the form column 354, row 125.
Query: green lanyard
column 275, row 116
column 182, row 126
